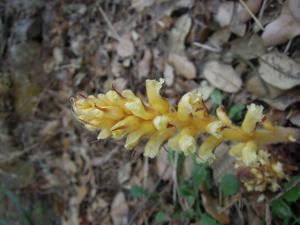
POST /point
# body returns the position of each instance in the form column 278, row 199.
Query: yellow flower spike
column 123, row 114
column 189, row 104
column 222, row 116
column 187, row 144
column 161, row 122
column 215, row 128
column 134, row 137
column 236, row 151
column 156, row 141
column 104, row 134
column 249, row 153
column 252, row 117
column 136, row 106
column 206, row 150
column 123, row 127
column 156, row 101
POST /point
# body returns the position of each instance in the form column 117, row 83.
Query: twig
column 252, row 15
column 101, row 160
column 207, row 47
column 146, row 169
column 294, row 184
column 111, row 27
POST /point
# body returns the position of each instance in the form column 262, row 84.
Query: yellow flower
column 253, row 116
column 124, row 115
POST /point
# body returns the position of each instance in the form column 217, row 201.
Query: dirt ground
column 54, row 171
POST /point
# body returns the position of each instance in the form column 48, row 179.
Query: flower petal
column 249, row 153
column 222, row 116
column 252, row 117
column 156, row 140
column 215, row 128
column 205, row 152
column 157, row 102
column 134, row 137
column 136, row 107
column 189, row 104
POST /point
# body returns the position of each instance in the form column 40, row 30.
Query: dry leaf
column 222, row 76
column 282, row 102
column 119, row 210
column 260, row 88
column 205, row 89
column 253, row 6
column 169, row 75
column 183, row 66
column 125, row 47
column 212, row 208
column 295, row 120
column 188, row 167
column 248, row 48
column 164, row 167
column 124, row 173
column 50, row 128
column 140, row 5
column 285, row 27
column 279, row 70
column 144, row 64
column 225, row 13
column 178, row 34
column 223, row 163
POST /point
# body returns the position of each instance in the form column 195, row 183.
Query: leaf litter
column 211, row 46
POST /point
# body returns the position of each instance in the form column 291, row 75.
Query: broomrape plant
column 120, row 115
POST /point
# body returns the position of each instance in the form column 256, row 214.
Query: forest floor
column 54, row 171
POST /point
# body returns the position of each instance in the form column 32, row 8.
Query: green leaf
column 230, row 185
column 138, row 192
column 236, row 112
column 216, row 97
column 281, row 209
column 160, row 217
column 207, row 220
column 199, row 174
column 294, row 194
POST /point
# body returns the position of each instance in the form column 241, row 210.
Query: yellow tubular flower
column 120, row 114
column 206, row 150
column 156, row 140
column 156, row 101
column 253, row 116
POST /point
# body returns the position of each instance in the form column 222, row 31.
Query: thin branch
column 252, row 15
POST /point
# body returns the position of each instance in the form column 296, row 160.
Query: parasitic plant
column 123, row 114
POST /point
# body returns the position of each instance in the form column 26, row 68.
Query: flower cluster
column 123, row 114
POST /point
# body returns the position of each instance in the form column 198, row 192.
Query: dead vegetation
column 53, row 171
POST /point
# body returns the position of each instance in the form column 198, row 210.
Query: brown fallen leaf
column 179, row 33
column 183, row 66
column 260, row 88
column 223, row 164
column 169, row 75
column 222, row 76
column 119, row 210
column 253, row 6
column 279, row 70
column 212, row 208
column 248, row 47
column 164, row 166
column 145, row 65
column 295, row 120
column 125, row 47
column 225, row 13
column 285, row 27
column 285, row 100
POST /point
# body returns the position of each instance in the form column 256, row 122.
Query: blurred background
column 53, row 171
